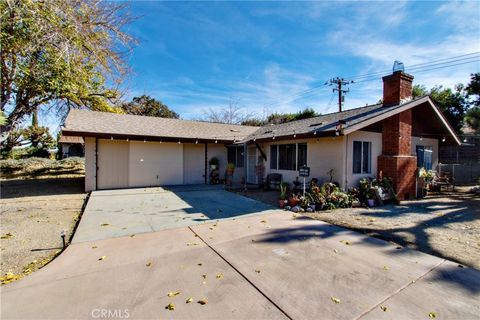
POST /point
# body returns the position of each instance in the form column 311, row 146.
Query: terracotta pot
column 293, row 202
column 281, row 204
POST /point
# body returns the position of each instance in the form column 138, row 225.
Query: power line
column 339, row 83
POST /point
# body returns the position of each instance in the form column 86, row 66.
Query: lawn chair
column 273, row 181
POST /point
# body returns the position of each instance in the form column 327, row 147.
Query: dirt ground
column 33, row 215
column 445, row 225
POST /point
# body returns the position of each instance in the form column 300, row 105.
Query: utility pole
column 339, row 83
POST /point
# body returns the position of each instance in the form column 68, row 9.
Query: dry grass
column 42, row 168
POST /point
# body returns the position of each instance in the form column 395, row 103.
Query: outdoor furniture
column 445, row 180
column 274, row 180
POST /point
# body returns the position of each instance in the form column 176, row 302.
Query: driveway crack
column 242, row 275
column 400, row 290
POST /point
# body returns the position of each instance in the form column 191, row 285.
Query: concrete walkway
column 263, row 266
column 118, row 213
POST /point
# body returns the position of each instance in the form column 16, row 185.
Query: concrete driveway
column 260, row 266
column 118, row 213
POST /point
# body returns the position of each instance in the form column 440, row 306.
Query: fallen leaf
column 336, row 300
column 132, row 235
column 263, row 221
column 253, row 240
column 170, row 306
column 257, row 271
column 199, row 264
column 102, row 258
column 6, row 236
column 335, row 250
column 203, row 301
column 94, row 247
column 384, row 309
column 104, row 224
column 372, row 219
column 173, row 293
column 345, row 242
column 189, row 300
column 432, row 315
column 204, row 276
column 386, row 268
column 149, row 264
column 220, row 276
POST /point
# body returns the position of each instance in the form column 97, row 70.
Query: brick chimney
column 396, row 161
column 396, row 87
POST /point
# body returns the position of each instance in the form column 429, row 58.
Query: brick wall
column 396, row 161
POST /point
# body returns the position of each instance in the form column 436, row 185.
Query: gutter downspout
column 96, row 164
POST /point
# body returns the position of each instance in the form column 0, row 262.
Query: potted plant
column 230, row 168
column 293, row 200
column 213, row 163
column 283, row 195
column 372, row 195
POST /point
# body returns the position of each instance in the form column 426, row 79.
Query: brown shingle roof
column 85, row 123
column 322, row 124
column 70, row 139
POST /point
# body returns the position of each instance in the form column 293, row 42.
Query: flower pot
column 371, row 203
column 293, row 202
column 281, row 203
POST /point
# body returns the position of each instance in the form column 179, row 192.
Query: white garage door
column 193, row 163
column 154, row 164
column 112, row 163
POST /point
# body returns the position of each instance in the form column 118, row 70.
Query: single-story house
column 392, row 138
column 71, row 146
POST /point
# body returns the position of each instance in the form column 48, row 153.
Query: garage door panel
column 112, row 162
column 154, row 164
column 193, row 163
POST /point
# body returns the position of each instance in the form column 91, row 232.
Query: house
column 392, row 138
column 71, row 146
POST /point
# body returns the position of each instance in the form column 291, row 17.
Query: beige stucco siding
column 323, row 154
column 113, row 164
column 376, row 140
column 90, row 164
column 418, row 141
column 154, row 164
column 193, row 163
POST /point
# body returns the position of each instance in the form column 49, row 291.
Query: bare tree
column 231, row 114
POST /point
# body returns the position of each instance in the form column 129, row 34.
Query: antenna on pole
column 339, row 83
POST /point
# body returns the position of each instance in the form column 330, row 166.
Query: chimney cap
column 398, row 66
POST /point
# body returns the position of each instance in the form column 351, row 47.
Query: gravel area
column 445, row 225
column 33, row 214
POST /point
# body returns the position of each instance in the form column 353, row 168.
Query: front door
column 251, row 163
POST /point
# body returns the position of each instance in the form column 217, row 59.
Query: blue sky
column 194, row 56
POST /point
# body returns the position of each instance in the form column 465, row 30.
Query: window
column 235, row 155
column 362, row 157
column 424, row 157
column 273, row 156
column 288, row 156
column 302, row 155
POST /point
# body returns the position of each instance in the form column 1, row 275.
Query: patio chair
column 274, row 180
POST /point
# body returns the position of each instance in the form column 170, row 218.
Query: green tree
column 473, row 89
column 276, row 118
column 148, row 106
column 452, row 103
column 472, row 118
column 61, row 53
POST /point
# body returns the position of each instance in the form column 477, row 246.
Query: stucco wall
column 90, row 164
column 193, row 163
column 323, row 154
column 426, row 142
column 376, row 140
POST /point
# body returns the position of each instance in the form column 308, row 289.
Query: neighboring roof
column 70, row 139
column 104, row 124
column 353, row 119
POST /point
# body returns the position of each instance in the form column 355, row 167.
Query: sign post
column 304, row 172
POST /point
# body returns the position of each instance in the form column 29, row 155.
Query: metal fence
column 462, row 173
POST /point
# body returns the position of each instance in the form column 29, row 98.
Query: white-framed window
column 289, row 156
column 362, row 157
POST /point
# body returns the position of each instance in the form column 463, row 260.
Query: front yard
column 445, row 225
column 33, row 214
